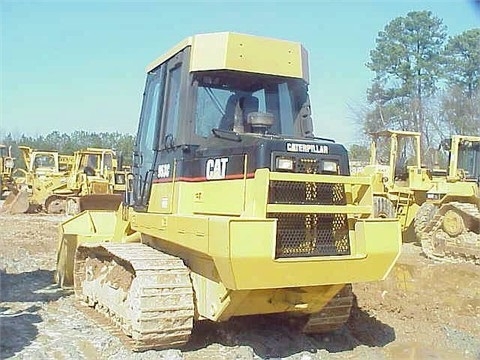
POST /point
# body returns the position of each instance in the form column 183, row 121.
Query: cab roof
column 241, row 52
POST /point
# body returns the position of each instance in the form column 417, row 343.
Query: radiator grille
column 311, row 235
column 290, row 192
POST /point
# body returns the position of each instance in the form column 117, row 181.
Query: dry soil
column 423, row 310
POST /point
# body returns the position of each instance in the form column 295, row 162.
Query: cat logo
column 307, row 148
column 216, row 168
column 163, row 171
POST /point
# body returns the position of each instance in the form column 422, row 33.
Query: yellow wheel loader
column 235, row 208
column 448, row 223
column 400, row 183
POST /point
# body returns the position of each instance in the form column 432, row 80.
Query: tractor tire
column 383, row 208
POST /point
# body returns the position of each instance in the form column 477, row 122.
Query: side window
column 147, row 132
column 172, row 102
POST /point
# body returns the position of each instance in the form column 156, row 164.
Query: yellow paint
column 225, row 231
column 241, row 52
column 232, row 256
column 406, row 196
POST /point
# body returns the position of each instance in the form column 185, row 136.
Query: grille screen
column 290, row 192
column 311, row 235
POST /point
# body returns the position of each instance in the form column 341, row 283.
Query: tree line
column 69, row 143
column 423, row 81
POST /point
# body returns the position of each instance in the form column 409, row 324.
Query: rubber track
column 435, row 225
column 333, row 315
column 147, row 294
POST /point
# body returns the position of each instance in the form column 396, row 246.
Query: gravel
column 422, row 310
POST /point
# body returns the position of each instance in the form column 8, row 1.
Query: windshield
column 469, row 159
column 44, row 161
column 226, row 98
column 90, row 160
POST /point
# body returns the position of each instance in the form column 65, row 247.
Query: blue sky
column 79, row 65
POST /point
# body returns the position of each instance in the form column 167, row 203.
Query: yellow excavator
column 233, row 208
column 448, row 223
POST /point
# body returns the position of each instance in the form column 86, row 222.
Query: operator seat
column 247, row 103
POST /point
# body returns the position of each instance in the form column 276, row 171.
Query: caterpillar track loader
column 400, row 182
column 45, row 174
column 448, row 223
column 7, row 163
column 66, row 183
column 93, row 182
column 235, row 208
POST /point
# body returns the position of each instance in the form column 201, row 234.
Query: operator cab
column 469, row 159
column 43, row 162
column 215, row 99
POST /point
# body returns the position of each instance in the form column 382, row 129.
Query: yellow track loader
column 66, row 183
column 7, row 163
column 235, row 207
column 448, row 223
column 400, row 182
column 92, row 182
column 35, row 185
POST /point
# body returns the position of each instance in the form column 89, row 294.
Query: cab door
column 147, row 137
column 161, row 131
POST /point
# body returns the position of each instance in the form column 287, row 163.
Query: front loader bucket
column 99, row 202
column 16, row 202
column 87, row 227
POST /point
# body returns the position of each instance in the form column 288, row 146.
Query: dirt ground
column 423, row 310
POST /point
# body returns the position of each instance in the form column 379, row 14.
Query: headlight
column 284, row 163
column 330, row 166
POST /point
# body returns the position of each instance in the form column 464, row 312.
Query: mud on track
column 422, row 310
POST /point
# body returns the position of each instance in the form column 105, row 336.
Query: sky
column 80, row 65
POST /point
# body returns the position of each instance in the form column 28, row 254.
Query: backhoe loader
column 448, row 223
column 235, row 208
